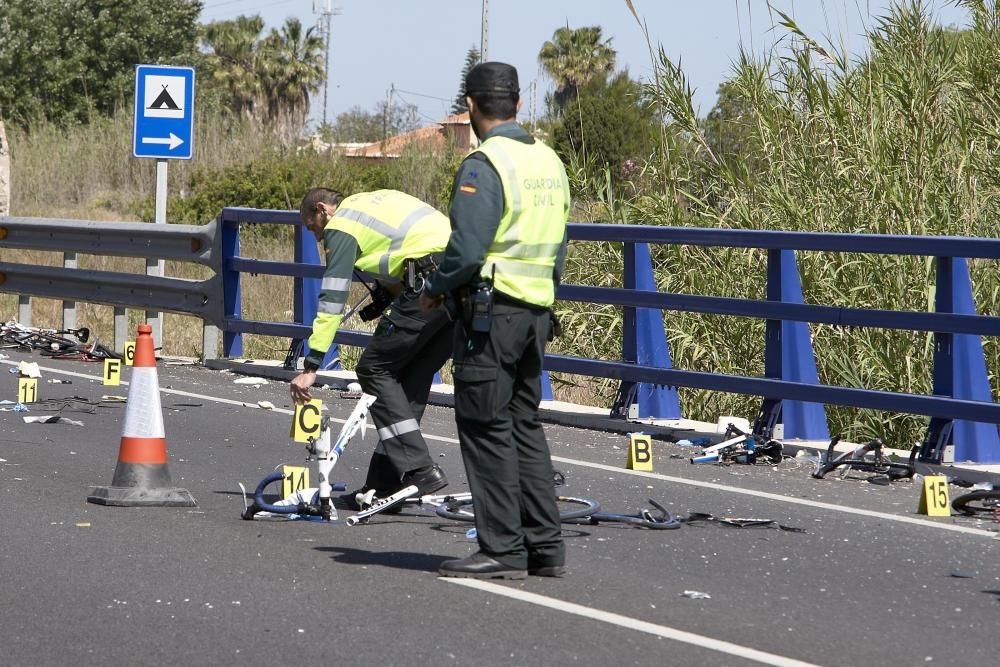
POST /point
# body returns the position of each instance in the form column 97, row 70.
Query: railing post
column 69, row 307
column 121, row 329
column 959, row 372
column 232, row 342
column 788, row 355
column 626, row 390
column 24, row 310
column 209, row 341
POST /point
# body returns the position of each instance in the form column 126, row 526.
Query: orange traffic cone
column 141, row 477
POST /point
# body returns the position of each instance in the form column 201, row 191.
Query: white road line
column 899, row 518
column 216, row 399
column 785, row 499
column 632, row 623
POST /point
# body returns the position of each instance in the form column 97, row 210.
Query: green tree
column 574, row 57
column 472, row 59
column 359, row 126
column 608, row 126
column 63, row 60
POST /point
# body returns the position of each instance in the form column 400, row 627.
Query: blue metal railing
column 956, row 327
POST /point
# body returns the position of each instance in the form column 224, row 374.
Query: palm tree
column 291, row 68
column 234, row 61
column 575, row 56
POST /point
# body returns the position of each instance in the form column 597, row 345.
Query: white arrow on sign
column 173, row 141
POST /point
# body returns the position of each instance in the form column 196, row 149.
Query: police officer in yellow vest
column 399, row 240
column 508, row 215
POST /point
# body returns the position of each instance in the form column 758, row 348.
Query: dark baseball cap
column 492, row 78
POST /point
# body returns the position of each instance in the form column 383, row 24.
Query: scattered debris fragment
column 963, row 574
column 58, row 381
column 734, row 522
column 250, row 379
column 51, row 419
column 739, row 446
column 694, row 442
column 83, row 524
column 265, row 405
column 29, row 369
column 696, row 595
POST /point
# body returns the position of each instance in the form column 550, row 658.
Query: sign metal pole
column 157, row 267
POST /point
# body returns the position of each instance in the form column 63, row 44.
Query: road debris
column 83, row 524
column 734, row 522
column 265, row 405
column 29, row 369
column 250, row 379
column 696, row 595
column 51, row 419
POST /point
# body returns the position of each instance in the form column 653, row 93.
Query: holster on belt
column 418, row 269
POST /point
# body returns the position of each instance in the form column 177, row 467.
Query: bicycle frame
column 326, row 454
column 857, row 459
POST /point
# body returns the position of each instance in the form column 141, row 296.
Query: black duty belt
column 417, row 269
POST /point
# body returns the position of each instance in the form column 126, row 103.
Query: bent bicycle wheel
column 569, row 508
column 977, row 502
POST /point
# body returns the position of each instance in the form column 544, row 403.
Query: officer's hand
column 300, row 386
column 429, row 303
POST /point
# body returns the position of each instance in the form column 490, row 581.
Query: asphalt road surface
column 869, row 582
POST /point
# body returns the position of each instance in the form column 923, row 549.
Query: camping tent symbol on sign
column 164, row 97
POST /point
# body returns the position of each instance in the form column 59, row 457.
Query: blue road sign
column 164, row 112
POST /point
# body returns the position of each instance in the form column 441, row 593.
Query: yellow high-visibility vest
column 521, row 259
column 390, row 227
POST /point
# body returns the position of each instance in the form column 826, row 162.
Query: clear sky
column 419, row 46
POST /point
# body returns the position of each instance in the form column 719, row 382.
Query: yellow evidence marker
column 640, row 452
column 934, row 499
column 129, row 352
column 307, row 420
column 112, row 372
column 296, row 479
column 27, row 390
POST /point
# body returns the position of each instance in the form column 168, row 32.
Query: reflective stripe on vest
column 536, row 199
column 390, row 227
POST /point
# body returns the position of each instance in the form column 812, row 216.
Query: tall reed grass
column 903, row 140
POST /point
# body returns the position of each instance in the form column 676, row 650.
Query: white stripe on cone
column 143, row 415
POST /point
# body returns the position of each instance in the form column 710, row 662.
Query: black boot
column 480, row 566
column 427, row 480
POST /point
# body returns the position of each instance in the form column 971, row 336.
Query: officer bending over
column 399, row 240
column 508, row 216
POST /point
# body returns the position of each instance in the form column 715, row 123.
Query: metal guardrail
column 944, row 408
column 218, row 302
column 199, row 244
